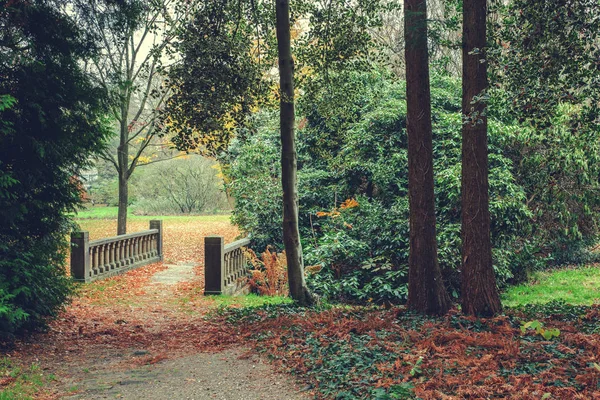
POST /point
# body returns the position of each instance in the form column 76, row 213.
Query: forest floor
column 152, row 334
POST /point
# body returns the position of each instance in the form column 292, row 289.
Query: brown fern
column 269, row 276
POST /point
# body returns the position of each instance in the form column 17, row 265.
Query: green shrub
column 355, row 147
column 187, row 185
column 106, row 191
column 253, row 173
column 49, row 128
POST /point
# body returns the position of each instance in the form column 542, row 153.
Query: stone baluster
column 145, row 247
column 136, row 249
column 94, row 261
column 100, row 267
column 121, row 252
column 242, row 270
column 111, row 256
column 117, row 254
column 229, row 266
column 104, row 259
column 107, row 257
column 142, row 250
column 126, row 252
column 233, row 265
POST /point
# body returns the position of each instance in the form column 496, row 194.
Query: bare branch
column 106, row 156
column 162, row 159
column 147, row 92
column 141, row 149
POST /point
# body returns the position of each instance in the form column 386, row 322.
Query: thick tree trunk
column 291, row 234
column 426, row 290
column 479, row 292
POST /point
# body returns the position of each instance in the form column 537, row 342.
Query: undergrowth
column 378, row 353
column 21, row 383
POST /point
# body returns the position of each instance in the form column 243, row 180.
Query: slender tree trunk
column 123, row 200
column 426, row 290
column 291, row 234
column 479, row 292
column 122, row 170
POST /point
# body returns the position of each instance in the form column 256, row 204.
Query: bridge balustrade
column 102, row 258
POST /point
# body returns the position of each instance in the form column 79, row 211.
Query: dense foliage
column 49, row 126
column 353, row 189
column 218, row 79
column 545, row 67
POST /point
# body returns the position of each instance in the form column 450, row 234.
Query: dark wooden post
column 158, row 224
column 214, row 261
column 80, row 256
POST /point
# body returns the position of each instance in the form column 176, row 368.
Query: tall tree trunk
column 479, row 292
column 291, row 234
column 123, row 200
column 426, row 290
column 123, row 172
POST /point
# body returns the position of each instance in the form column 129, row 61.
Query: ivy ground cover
column 375, row 353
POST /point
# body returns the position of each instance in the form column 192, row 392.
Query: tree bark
column 426, row 290
column 123, row 203
column 291, row 234
column 122, row 170
column 479, row 291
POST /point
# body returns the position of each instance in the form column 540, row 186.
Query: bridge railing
column 102, row 258
column 223, row 264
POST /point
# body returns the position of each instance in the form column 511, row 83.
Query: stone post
column 214, row 262
column 158, row 224
column 80, row 256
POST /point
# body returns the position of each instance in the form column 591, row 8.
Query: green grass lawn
column 577, row 286
column 102, row 212
column 249, row 300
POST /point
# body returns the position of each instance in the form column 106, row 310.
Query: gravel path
column 222, row 376
column 174, row 274
column 228, row 375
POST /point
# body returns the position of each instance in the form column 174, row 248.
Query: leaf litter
column 340, row 352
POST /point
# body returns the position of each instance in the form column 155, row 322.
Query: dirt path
column 227, row 375
column 145, row 335
column 174, row 274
